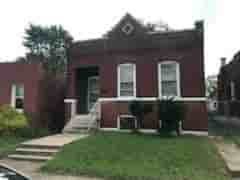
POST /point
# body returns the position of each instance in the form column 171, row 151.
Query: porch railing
column 95, row 114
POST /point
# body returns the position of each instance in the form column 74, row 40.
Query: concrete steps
column 34, row 152
column 44, row 148
column 37, row 151
column 29, row 157
column 78, row 124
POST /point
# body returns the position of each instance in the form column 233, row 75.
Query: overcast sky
column 91, row 19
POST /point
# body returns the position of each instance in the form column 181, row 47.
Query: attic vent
column 128, row 28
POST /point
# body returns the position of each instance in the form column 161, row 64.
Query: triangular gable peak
column 128, row 26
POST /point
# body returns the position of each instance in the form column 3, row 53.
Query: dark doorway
column 87, row 88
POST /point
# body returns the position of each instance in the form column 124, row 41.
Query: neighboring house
column 19, row 86
column 229, row 86
column 132, row 63
column 30, row 90
column 211, row 92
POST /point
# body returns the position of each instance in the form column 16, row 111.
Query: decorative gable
column 128, row 26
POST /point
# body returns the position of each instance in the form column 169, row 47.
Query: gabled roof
column 127, row 22
column 233, row 67
column 137, row 36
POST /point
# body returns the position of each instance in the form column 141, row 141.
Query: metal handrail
column 95, row 114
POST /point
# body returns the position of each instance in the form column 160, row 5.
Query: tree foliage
column 51, row 43
column 211, row 88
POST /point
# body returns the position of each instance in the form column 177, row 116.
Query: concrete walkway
column 231, row 155
column 39, row 146
column 31, row 169
column 57, row 140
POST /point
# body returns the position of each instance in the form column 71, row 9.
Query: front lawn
column 128, row 156
column 8, row 144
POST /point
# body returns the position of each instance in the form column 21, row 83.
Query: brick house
column 20, row 86
column 229, row 86
column 28, row 88
column 130, row 62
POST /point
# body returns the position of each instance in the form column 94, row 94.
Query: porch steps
column 29, row 157
column 78, row 124
column 32, row 152
column 44, row 148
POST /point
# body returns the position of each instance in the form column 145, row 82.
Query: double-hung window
column 18, row 97
column 126, row 80
column 169, row 79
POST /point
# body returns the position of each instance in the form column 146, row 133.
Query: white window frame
column 232, row 88
column 14, row 97
column 134, row 80
column 125, row 116
column 177, row 78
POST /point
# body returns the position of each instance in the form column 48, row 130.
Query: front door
column 93, row 91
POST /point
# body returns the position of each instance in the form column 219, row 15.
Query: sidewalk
column 231, row 155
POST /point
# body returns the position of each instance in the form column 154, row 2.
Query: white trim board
column 151, row 99
column 70, row 100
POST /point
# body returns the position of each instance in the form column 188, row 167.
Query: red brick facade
column 184, row 47
column 28, row 75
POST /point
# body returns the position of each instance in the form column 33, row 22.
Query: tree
column 51, row 43
column 211, row 87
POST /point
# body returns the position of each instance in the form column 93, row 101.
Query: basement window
column 127, row 122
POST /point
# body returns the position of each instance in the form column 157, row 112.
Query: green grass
column 141, row 157
column 8, row 144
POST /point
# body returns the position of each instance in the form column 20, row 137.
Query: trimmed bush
column 139, row 110
column 171, row 113
column 11, row 120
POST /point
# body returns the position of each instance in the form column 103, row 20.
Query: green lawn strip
column 8, row 144
column 128, row 156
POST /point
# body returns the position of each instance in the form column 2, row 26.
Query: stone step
column 77, row 131
column 35, row 151
column 29, row 157
column 80, row 123
column 39, row 146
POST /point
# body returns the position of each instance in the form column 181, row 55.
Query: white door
column 93, row 91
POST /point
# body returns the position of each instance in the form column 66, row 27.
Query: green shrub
column 139, row 110
column 171, row 113
column 11, row 120
column 29, row 132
